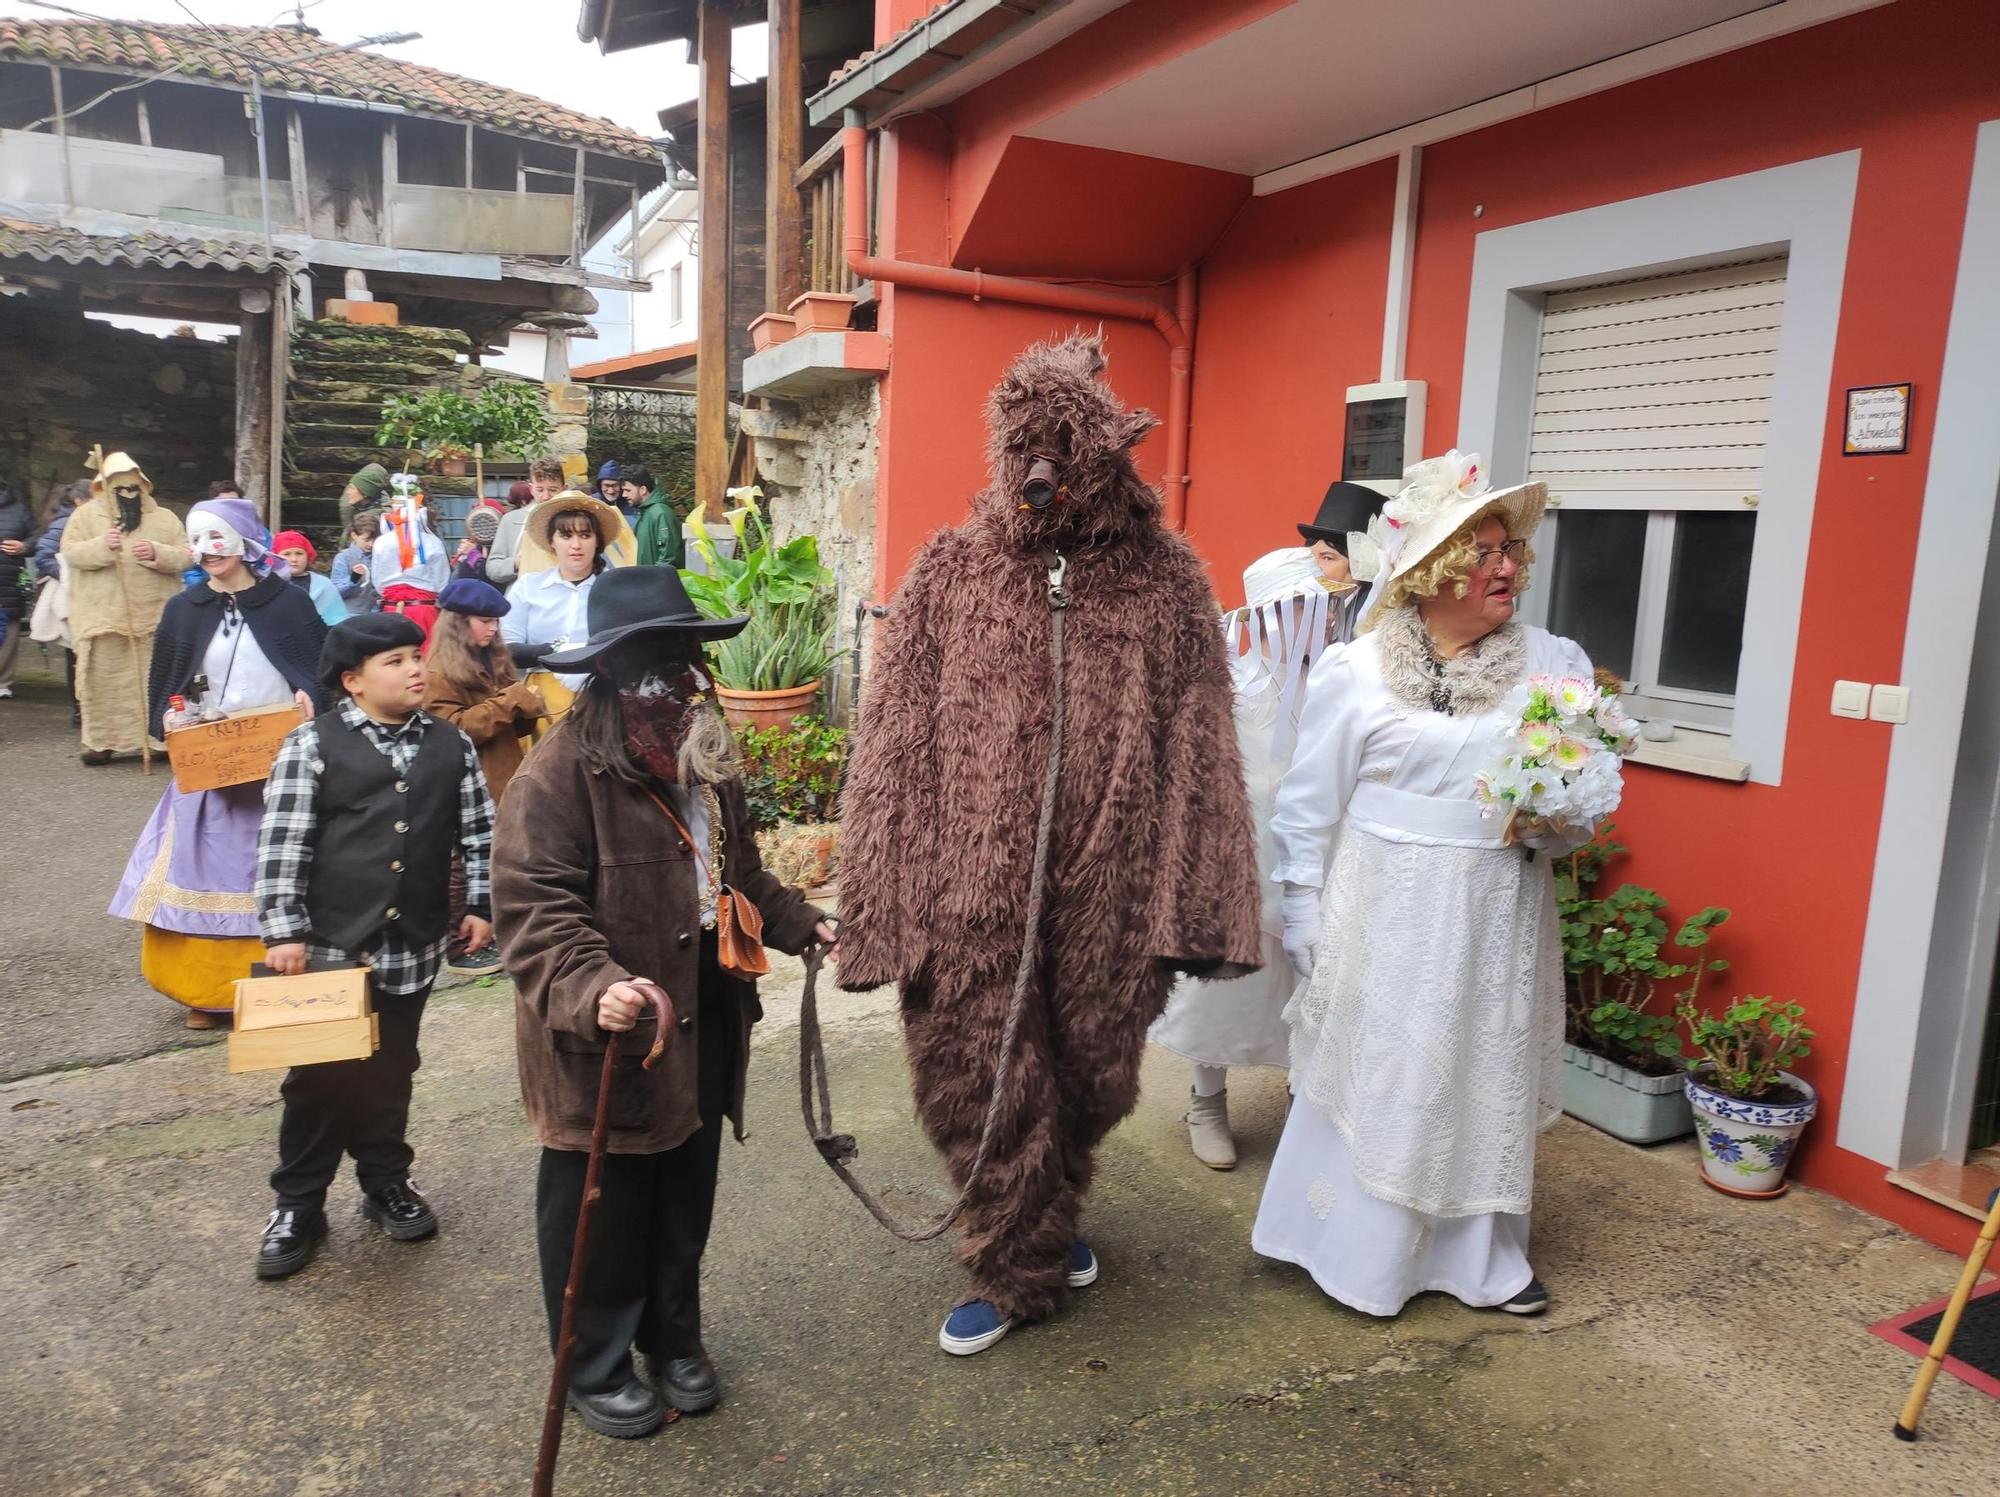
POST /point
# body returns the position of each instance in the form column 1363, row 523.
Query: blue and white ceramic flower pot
column 1746, row 1146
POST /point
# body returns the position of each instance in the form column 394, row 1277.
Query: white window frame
column 676, row 305
column 1803, row 211
column 1705, row 711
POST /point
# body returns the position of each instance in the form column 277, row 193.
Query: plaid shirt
column 291, row 822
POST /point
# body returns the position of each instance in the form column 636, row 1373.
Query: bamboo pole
column 1975, row 1265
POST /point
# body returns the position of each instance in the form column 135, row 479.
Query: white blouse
column 240, row 675
column 546, row 610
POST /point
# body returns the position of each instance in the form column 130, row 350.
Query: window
column 1651, row 407
column 674, row 308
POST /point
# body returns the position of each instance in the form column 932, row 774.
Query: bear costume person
column 1152, row 864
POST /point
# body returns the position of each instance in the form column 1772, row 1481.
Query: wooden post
column 711, row 421
column 253, row 396
column 579, row 217
column 281, row 340
column 295, row 150
column 468, row 158
column 784, row 125
column 145, row 120
column 389, row 170
column 62, row 138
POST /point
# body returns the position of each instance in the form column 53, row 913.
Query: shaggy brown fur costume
column 1152, row 867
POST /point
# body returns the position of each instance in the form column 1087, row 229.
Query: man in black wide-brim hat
column 1339, row 541
column 615, row 838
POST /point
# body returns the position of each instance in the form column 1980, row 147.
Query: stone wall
column 67, row 383
column 816, row 464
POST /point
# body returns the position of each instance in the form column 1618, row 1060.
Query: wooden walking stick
column 552, row 1413
column 138, row 671
column 1906, row 1427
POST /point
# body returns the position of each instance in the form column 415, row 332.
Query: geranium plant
column 1744, row 1050
column 787, row 595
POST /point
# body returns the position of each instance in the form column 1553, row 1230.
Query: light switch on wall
column 1889, row 704
column 1850, row 699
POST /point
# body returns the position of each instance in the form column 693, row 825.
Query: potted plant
column 1622, row 1065
column 769, row 674
column 1749, row 1107
column 791, row 777
column 506, row 416
column 822, row 311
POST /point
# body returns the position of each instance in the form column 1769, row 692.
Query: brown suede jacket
column 593, row 885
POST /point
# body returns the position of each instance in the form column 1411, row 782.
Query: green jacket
column 659, row 531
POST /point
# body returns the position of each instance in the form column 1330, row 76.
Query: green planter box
column 1627, row 1104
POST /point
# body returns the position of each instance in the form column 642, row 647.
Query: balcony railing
column 822, row 186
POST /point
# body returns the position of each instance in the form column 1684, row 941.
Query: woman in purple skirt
column 255, row 639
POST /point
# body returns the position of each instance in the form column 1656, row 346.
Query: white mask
column 211, row 535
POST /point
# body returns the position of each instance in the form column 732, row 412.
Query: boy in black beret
column 364, row 807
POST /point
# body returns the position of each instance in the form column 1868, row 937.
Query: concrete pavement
column 1697, row 1344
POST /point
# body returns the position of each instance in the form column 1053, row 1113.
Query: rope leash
column 838, row 1149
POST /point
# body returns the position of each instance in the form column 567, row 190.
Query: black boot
column 631, row 1413
column 291, row 1237
column 688, row 1383
column 400, row 1211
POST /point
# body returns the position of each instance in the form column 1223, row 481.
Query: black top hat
column 1347, row 506
column 628, row 601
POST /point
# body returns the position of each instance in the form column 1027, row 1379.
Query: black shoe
column 1530, row 1301
column 688, row 1383
column 400, row 1211
column 632, row 1413
column 95, row 757
column 291, row 1237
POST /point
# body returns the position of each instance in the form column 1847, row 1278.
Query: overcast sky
column 529, row 45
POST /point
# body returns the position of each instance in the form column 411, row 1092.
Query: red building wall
column 1291, row 305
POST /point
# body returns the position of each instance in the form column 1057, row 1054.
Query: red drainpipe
column 1177, row 330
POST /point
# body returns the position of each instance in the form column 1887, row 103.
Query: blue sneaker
column 973, row 1327
column 1082, row 1265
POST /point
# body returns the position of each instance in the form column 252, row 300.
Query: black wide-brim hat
column 1346, row 507
column 626, row 602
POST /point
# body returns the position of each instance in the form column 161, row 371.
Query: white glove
column 1301, row 925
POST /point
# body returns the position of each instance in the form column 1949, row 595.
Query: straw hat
column 542, row 518
column 1439, row 497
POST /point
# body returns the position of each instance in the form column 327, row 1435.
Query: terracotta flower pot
column 771, row 329
column 822, row 312
column 766, row 709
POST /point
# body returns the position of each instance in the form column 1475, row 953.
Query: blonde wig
column 1450, row 565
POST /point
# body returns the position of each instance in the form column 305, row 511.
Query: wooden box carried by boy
column 301, row 1021
column 234, row 751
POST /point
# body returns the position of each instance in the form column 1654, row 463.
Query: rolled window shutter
column 1660, row 385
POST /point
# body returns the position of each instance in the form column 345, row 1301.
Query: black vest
column 382, row 849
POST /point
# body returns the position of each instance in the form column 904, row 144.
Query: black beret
column 353, row 641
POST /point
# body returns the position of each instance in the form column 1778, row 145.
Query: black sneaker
column 291, row 1237
column 484, row 962
column 400, row 1211
column 1530, row 1301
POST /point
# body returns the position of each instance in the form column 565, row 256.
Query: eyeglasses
column 1515, row 551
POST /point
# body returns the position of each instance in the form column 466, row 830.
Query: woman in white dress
column 549, row 609
column 1426, row 1036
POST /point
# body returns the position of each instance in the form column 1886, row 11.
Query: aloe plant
column 788, row 596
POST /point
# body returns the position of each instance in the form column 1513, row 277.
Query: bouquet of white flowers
column 1559, row 755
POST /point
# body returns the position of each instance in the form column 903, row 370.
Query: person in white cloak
column 1426, row 1035
column 1293, row 608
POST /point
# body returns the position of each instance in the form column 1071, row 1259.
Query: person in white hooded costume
column 1426, row 1035
column 1291, row 614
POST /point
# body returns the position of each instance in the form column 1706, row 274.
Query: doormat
column 1975, row 1350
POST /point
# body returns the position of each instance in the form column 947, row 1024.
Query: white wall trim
column 1708, row 41
column 1952, row 541
column 1402, row 260
column 1803, row 209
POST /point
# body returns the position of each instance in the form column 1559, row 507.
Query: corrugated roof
column 645, row 359
column 20, row 240
column 229, row 53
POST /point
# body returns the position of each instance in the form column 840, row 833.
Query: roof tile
column 229, row 53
